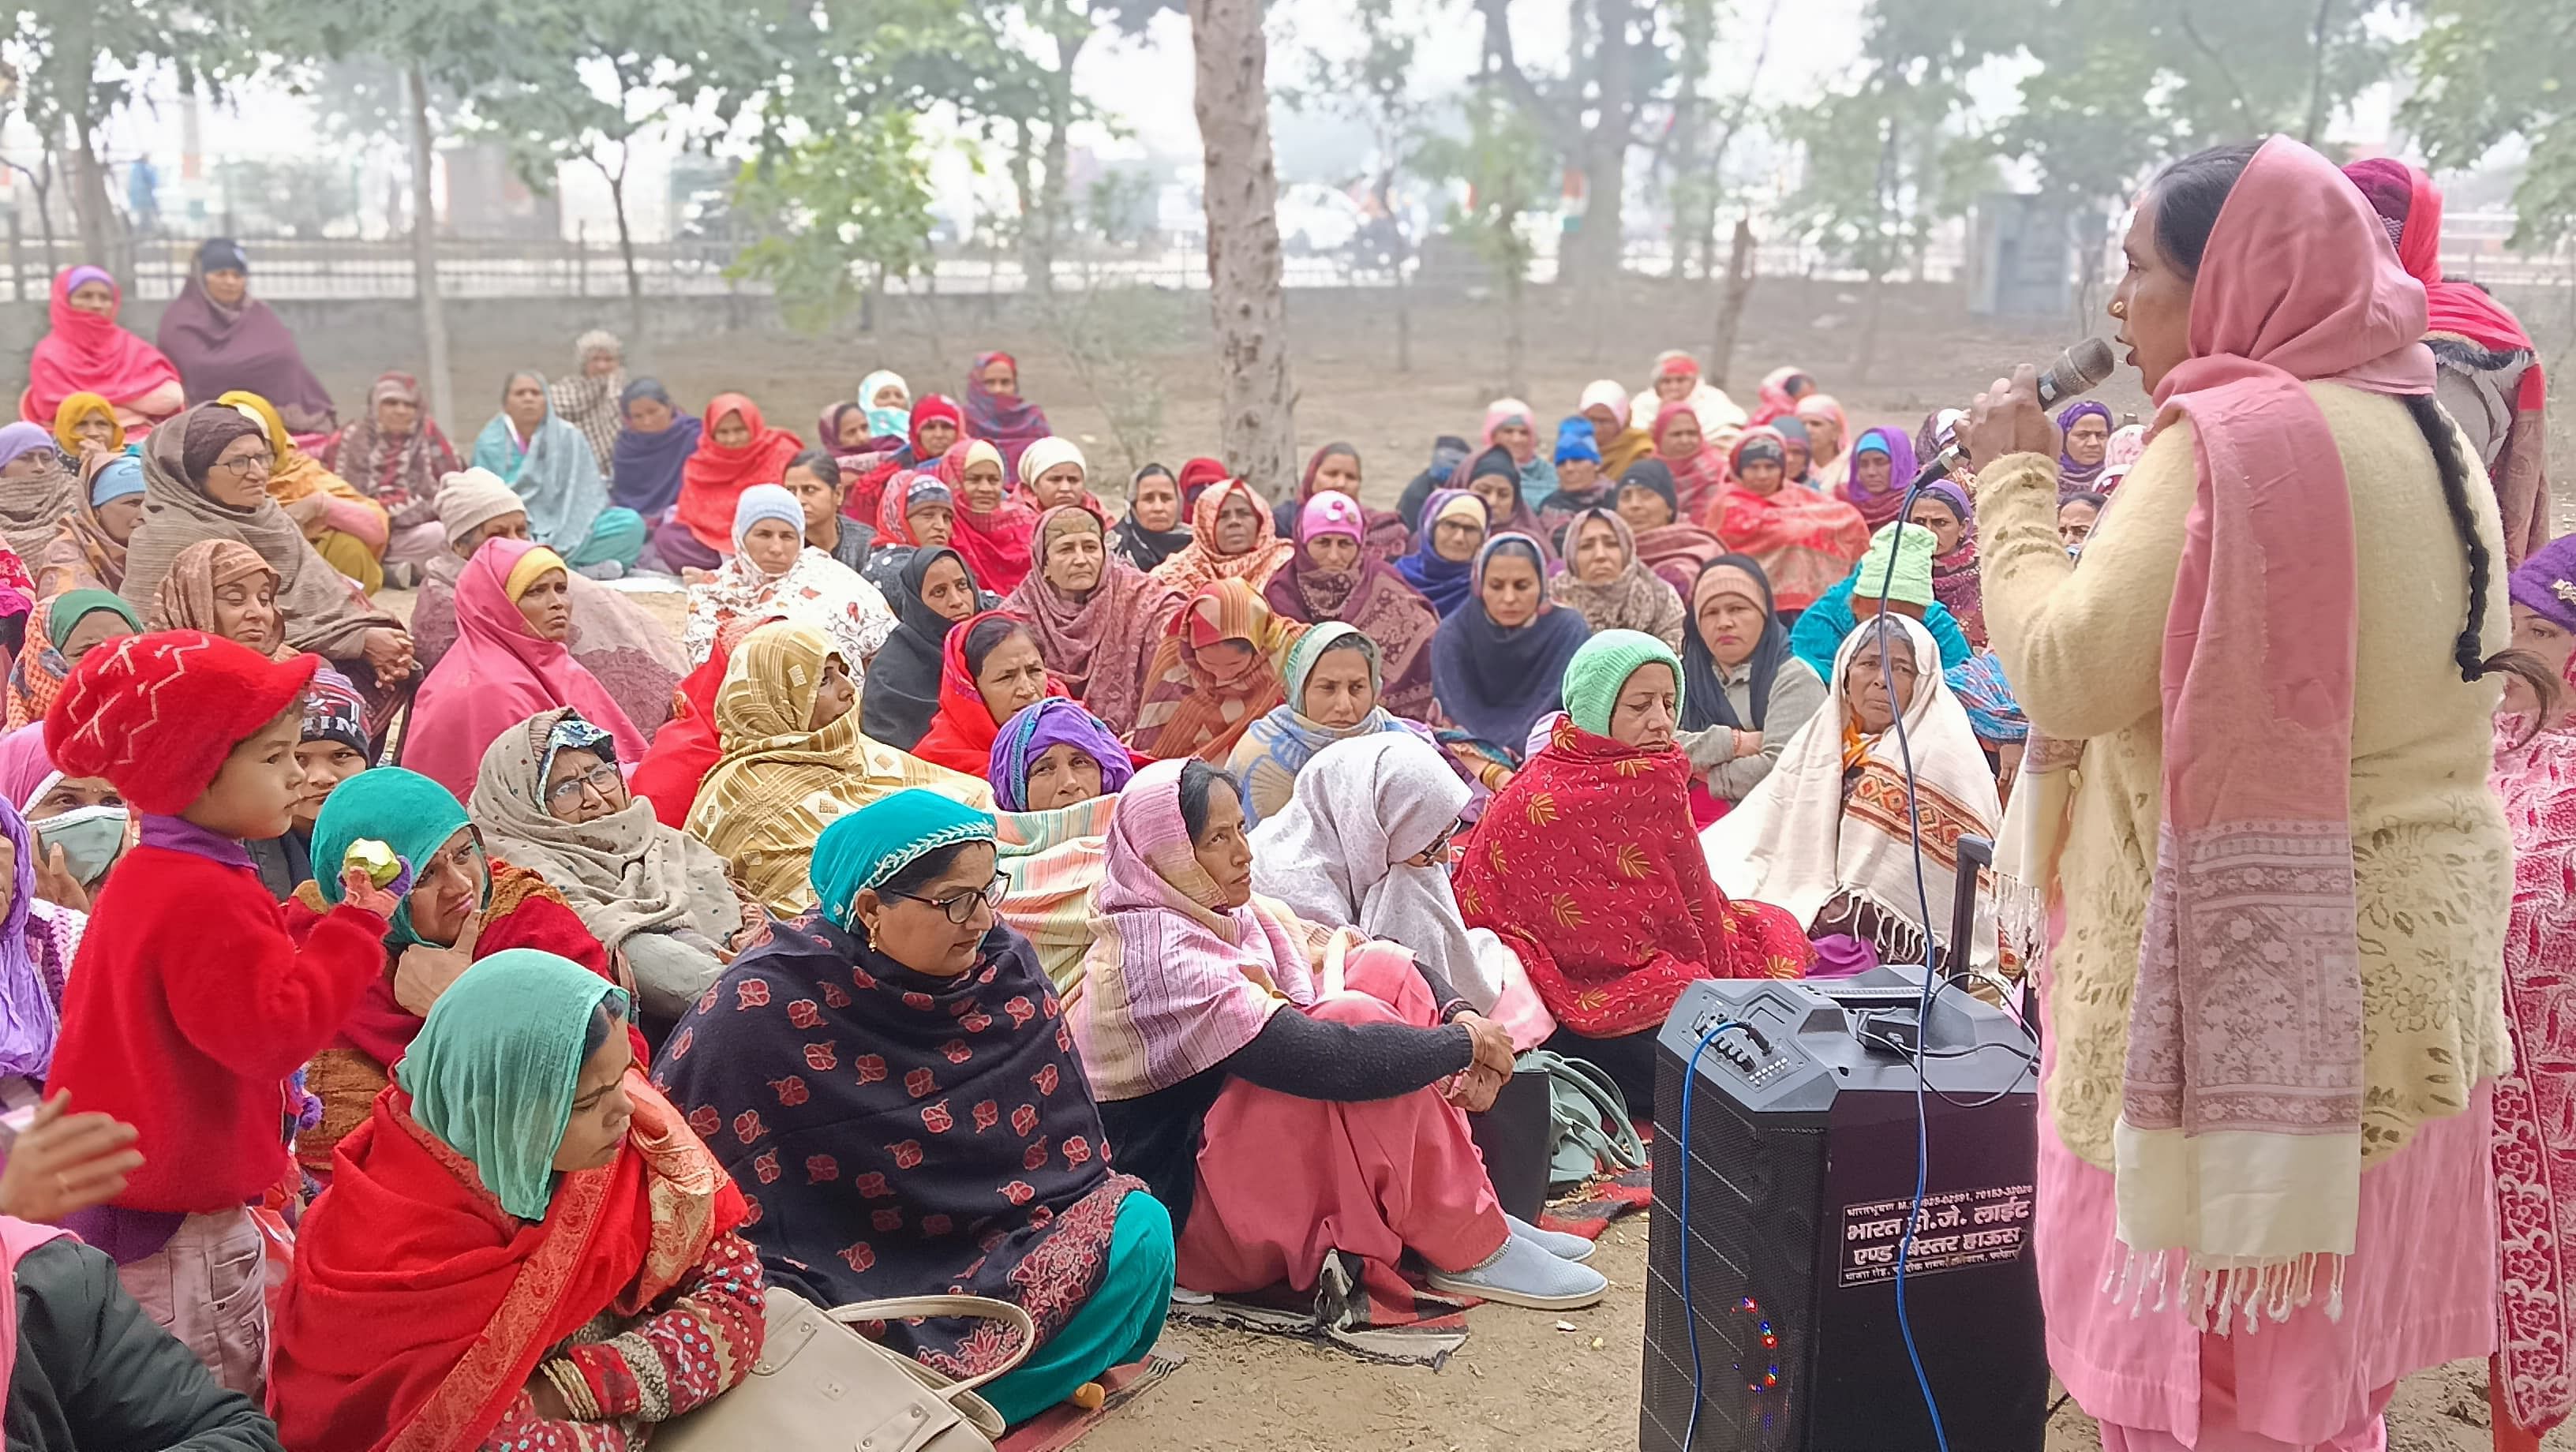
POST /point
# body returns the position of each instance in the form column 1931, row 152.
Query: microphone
column 2078, row 371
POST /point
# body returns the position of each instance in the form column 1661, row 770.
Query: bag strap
column 910, row 1308
column 1609, row 1122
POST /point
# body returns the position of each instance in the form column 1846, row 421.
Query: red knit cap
column 157, row 714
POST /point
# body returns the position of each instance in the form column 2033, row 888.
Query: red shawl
column 961, row 733
column 1696, row 479
column 1587, row 865
column 686, row 747
column 2534, row 1159
column 1806, row 542
column 85, row 353
column 861, row 501
column 419, row 1307
column 995, row 545
column 715, row 476
column 1009, row 422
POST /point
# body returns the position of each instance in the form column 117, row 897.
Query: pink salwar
column 1285, row 1181
column 2419, row 1290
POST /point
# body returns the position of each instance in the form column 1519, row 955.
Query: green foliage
column 81, row 57
column 837, row 213
column 1119, row 207
column 302, row 196
column 1884, row 165
column 1509, row 172
column 2491, row 70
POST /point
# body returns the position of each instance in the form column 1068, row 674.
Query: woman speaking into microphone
column 2277, row 881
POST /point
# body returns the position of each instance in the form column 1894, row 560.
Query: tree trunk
column 1048, row 226
column 1693, row 191
column 1257, row 425
column 1730, row 302
column 424, row 254
column 1515, row 339
column 1037, row 260
column 1589, row 260
column 91, row 206
column 626, row 254
column 1869, row 317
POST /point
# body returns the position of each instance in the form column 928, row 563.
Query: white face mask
column 91, row 839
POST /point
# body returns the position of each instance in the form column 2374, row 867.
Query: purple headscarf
column 2546, row 583
column 1880, row 507
column 1054, row 721
column 2072, row 476
column 1009, row 424
column 1951, row 494
column 28, row 1018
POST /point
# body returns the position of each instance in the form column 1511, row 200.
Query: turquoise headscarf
column 402, row 809
column 1600, row 670
column 863, row 849
column 493, row 1069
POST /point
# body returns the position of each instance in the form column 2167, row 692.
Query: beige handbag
column 821, row 1387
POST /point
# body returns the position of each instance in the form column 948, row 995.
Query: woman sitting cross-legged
column 1364, row 843
column 890, row 1079
column 1056, row 772
column 523, row 1246
column 1830, row 835
column 1289, row 1090
column 550, row 798
column 794, row 758
column 1586, row 867
column 461, row 907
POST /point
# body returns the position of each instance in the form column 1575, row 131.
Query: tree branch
column 1562, row 131
column 2317, row 75
column 2227, row 73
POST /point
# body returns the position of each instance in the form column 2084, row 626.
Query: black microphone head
column 2079, row 370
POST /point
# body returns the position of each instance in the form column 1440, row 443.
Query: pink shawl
column 496, row 676
column 2239, row 1139
column 1172, row 985
column 1103, row 645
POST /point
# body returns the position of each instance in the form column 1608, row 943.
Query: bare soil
column 1519, row 1384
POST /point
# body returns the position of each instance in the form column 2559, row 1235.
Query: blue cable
column 1690, row 1081
column 1923, row 1008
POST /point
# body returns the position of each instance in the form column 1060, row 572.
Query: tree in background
column 596, row 75
column 1257, row 424
column 838, row 214
column 1503, row 162
column 1588, row 116
column 80, row 58
column 2489, row 71
column 1692, row 155
column 1375, row 87
column 1883, row 168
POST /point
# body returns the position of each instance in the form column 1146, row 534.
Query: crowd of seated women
column 996, row 886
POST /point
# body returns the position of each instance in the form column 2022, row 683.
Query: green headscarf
column 865, row 848
column 1310, row 648
column 71, row 605
column 1600, row 671
column 493, row 1069
column 402, row 809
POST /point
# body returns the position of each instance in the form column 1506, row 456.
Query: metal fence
column 354, row 269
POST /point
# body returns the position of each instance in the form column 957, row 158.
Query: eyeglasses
column 248, row 466
column 959, row 907
column 1438, row 851
column 603, row 779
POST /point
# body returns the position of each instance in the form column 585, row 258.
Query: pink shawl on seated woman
column 497, row 675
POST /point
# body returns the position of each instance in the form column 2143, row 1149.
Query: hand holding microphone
column 2009, row 418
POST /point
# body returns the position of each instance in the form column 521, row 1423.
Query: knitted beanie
column 157, row 714
column 1600, row 671
column 1574, row 440
column 1910, row 548
column 472, row 498
column 766, row 501
column 207, row 431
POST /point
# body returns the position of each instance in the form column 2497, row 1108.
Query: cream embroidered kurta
column 2082, row 649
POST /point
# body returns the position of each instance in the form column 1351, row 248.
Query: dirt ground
column 1518, row 1385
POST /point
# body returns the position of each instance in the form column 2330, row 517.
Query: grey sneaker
column 1524, row 1274
column 1555, row 1242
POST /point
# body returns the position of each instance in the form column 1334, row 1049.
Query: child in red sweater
column 190, row 1003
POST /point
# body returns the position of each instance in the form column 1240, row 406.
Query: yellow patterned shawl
column 1055, row 860
column 778, row 782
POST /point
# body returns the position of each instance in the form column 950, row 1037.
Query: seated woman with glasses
column 890, row 1079
column 550, row 798
column 459, row 908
